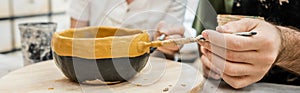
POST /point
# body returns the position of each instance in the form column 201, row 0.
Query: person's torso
column 140, row 14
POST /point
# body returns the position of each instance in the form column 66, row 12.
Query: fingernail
column 219, row 29
column 224, row 28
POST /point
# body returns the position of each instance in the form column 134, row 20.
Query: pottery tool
column 181, row 41
column 161, row 38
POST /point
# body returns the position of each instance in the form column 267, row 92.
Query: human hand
column 171, row 32
column 239, row 60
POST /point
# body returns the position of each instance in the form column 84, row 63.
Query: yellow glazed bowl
column 102, row 54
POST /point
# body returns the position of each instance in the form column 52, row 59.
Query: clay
column 100, row 55
column 100, row 42
column 109, row 71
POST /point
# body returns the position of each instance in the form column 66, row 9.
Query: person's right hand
column 240, row 60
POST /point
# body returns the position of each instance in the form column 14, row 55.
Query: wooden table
column 159, row 76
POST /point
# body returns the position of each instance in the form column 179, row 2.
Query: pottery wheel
column 160, row 75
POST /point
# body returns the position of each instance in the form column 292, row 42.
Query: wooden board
column 159, row 76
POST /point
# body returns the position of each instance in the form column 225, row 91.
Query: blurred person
column 151, row 15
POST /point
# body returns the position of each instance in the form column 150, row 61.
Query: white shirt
column 140, row 14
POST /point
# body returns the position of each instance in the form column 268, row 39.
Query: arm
column 172, row 30
column 289, row 56
column 79, row 13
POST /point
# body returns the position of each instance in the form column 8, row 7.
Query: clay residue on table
column 99, row 82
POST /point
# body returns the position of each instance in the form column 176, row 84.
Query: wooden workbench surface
column 159, row 76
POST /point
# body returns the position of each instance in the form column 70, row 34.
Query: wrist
column 289, row 44
column 288, row 57
column 281, row 30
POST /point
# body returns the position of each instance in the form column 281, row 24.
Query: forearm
column 289, row 56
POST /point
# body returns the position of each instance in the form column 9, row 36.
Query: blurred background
column 14, row 12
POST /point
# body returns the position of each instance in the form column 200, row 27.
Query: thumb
column 214, row 37
column 211, row 34
column 243, row 25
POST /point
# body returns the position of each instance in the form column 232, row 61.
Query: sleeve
column 79, row 9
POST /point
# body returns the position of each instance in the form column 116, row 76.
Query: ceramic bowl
column 100, row 55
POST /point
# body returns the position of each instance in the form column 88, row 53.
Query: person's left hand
column 171, row 32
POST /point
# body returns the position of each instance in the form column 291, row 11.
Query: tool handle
column 200, row 37
column 170, row 42
column 161, row 38
column 181, row 41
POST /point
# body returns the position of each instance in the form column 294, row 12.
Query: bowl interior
column 100, row 42
column 99, row 32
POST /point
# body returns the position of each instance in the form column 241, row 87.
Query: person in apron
column 150, row 15
column 270, row 56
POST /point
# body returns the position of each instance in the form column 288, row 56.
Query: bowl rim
column 103, row 47
column 58, row 34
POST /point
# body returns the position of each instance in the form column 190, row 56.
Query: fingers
column 169, row 50
column 175, row 30
column 171, row 32
column 206, row 69
column 239, row 81
column 230, row 41
column 231, row 55
column 175, row 36
column 169, row 29
column 206, row 62
column 230, row 68
column 210, row 74
column 232, row 73
column 203, row 50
